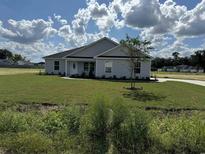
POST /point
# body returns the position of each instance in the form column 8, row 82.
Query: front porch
column 84, row 68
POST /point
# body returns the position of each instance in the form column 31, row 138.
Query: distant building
column 181, row 68
column 40, row 64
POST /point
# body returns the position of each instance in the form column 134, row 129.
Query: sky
column 36, row 28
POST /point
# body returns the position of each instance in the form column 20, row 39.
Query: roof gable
column 89, row 51
column 94, row 48
column 120, row 51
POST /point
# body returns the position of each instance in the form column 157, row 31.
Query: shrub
column 91, row 74
column 28, row 142
column 178, row 135
column 71, row 118
column 52, row 122
column 123, row 78
column 94, row 127
column 83, row 75
column 114, row 77
column 12, row 122
column 132, row 135
column 119, row 114
column 103, row 77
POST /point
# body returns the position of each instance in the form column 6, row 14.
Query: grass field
column 28, row 88
column 179, row 75
column 13, row 71
column 72, row 129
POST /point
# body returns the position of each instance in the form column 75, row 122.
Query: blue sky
column 36, row 28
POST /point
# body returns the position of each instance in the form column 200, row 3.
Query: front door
column 89, row 68
column 73, row 68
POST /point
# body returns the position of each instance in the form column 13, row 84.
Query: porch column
column 66, row 67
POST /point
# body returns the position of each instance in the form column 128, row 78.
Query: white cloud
column 35, row 51
column 143, row 13
column 79, row 24
column 65, row 31
column 157, row 22
column 192, row 23
column 60, row 19
column 26, row 31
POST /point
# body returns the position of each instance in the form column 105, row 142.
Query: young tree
column 137, row 51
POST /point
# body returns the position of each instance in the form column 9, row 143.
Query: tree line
column 6, row 54
column 197, row 59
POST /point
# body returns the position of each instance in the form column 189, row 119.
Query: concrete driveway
column 196, row 82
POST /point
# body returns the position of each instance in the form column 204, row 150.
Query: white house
column 103, row 58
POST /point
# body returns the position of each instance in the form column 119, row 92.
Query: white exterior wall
column 121, row 68
column 49, row 66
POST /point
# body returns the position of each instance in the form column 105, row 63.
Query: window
column 56, row 65
column 92, row 66
column 86, row 66
column 137, row 67
column 73, row 65
column 108, row 67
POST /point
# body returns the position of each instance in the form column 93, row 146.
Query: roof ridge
column 93, row 43
column 78, row 49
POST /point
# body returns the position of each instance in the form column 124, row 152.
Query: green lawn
column 180, row 75
column 28, row 88
column 13, row 71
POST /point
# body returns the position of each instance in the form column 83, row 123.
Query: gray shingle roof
column 64, row 53
column 68, row 52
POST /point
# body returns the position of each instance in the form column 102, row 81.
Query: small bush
column 83, row 75
column 66, row 143
column 132, row 135
column 119, row 114
column 12, row 122
column 94, row 128
column 91, row 74
column 178, row 135
column 28, row 142
column 71, row 118
column 103, row 77
column 52, row 122
column 123, row 78
column 114, row 77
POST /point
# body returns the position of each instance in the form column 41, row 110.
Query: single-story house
column 102, row 58
column 181, row 68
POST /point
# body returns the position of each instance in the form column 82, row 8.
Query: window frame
column 87, row 67
column 137, row 69
column 108, row 67
column 56, row 66
column 74, row 66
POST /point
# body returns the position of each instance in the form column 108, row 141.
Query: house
column 40, row 64
column 24, row 63
column 102, row 58
column 181, row 68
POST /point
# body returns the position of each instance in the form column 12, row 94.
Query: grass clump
column 105, row 127
column 132, row 134
column 71, row 118
column 178, row 135
column 12, row 122
column 94, row 128
column 28, row 142
column 52, row 122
